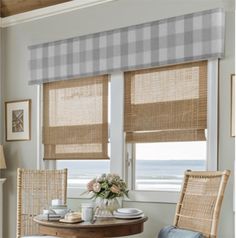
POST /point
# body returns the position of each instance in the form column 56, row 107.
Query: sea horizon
column 150, row 174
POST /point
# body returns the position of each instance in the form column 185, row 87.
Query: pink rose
column 115, row 189
column 96, row 187
column 90, row 185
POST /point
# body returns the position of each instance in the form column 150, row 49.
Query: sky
column 172, row 151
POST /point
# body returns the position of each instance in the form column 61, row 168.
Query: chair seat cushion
column 173, row 232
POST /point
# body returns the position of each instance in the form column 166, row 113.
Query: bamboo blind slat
column 164, row 101
column 75, row 134
column 166, row 136
column 75, row 122
column 182, row 114
column 81, row 151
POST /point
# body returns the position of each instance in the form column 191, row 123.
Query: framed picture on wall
column 18, row 120
column 233, row 104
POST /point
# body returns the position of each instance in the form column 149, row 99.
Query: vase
column 106, row 207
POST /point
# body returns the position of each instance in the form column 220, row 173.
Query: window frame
column 122, row 155
column 212, row 145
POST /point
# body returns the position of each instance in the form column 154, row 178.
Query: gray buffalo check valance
column 190, row 37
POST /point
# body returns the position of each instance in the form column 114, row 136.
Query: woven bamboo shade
column 75, row 123
column 166, row 104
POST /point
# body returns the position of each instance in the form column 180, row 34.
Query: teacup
column 57, row 202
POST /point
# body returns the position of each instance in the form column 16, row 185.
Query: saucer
column 122, row 216
column 129, row 211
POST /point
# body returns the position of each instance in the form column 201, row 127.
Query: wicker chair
column 200, row 202
column 35, row 190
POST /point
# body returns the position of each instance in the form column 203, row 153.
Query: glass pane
column 80, row 172
column 161, row 166
column 66, row 101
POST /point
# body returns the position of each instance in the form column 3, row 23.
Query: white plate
column 127, row 214
column 129, row 211
column 128, row 217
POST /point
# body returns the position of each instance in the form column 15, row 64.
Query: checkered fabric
column 190, row 37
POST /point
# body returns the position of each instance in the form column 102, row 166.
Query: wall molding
column 49, row 11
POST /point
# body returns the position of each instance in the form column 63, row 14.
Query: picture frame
column 18, row 120
column 233, row 105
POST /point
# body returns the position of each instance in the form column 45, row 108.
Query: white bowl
column 60, row 211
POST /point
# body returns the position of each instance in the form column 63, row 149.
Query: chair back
column 200, row 201
column 35, row 190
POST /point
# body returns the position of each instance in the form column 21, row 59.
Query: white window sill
column 134, row 196
column 153, row 196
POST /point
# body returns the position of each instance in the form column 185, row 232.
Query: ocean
column 150, row 174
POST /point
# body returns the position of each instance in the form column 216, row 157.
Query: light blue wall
column 103, row 17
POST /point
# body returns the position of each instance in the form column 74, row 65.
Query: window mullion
column 130, row 166
column 116, row 125
column 212, row 115
column 133, row 164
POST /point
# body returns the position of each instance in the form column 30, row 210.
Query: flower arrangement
column 107, row 186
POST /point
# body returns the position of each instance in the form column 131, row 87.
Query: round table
column 108, row 227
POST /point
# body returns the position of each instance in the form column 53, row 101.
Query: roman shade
column 75, row 122
column 166, row 104
column 192, row 37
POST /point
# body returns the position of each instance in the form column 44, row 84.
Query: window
column 76, row 127
column 75, row 122
column 166, row 122
column 160, row 166
column 163, row 187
